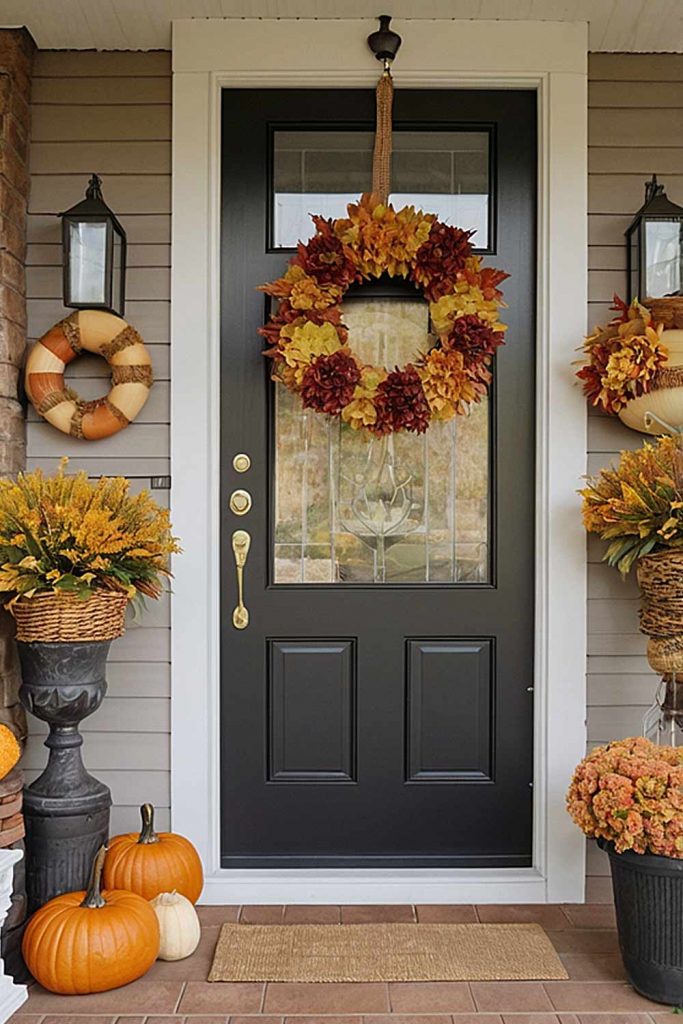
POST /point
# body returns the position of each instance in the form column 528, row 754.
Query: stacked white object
column 11, row 996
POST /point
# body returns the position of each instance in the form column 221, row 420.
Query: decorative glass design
column 404, row 508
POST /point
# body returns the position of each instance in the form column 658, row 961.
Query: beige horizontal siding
column 635, row 67
column 110, row 113
column 635, row 127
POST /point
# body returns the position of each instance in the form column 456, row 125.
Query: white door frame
column 208, row 56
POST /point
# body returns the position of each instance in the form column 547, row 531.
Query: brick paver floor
column 174, row 993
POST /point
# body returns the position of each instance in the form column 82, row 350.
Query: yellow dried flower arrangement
column 66, row 534
column 638, row 507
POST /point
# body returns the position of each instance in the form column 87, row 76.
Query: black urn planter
column 648, row 897
column 66, row 810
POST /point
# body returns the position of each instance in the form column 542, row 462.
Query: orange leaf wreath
column 309, row 342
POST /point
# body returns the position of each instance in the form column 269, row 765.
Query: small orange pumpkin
column 151, row 863
column 10, row 751
column 91, row 941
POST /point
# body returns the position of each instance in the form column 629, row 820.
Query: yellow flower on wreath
column 447, row 385
column 361, row 411
column 301, row 343
column 465, row 300
column 307, row 293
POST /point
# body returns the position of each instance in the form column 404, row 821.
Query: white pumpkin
column 666, row 403
column 178, row 926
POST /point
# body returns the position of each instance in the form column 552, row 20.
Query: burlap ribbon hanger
column 381, row 157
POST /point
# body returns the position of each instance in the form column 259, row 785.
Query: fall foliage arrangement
column 66, row 534
column 309, row 342
column 638, row 507
column 630, row 793
column 622, row 358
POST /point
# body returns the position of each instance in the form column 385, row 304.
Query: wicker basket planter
column 660, row 577
column 667, row 311
column 65, row 618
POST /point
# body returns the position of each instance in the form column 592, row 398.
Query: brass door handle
column 241, row 542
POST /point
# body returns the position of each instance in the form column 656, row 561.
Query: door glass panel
column 442, row 172
column 406, row 508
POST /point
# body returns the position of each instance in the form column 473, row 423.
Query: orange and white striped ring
column 106, row 335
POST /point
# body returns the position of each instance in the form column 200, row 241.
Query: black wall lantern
column 655, row 246
column 94, row 254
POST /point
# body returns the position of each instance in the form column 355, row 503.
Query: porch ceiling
column 636, row 26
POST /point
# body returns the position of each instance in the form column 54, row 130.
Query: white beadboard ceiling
column 638, row 26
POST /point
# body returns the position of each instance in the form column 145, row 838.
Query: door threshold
column 368, row 886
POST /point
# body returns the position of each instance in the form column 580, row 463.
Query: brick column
column 16, row 59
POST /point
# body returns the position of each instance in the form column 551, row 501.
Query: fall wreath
column 309, row 343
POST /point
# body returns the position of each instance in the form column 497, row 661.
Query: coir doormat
column 385, row 952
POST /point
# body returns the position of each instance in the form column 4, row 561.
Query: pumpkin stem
column 147, row 835
column 93, row 898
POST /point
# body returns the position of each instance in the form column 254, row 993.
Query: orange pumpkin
column 91, row 941
column 151, row 863
column 10, row 751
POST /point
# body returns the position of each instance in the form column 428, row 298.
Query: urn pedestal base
column 66, row 810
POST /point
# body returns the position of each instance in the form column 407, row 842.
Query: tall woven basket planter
column 63, row 646
column 648, row 898
column 660, row 577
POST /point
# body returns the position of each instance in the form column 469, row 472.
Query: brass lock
column 240, row 502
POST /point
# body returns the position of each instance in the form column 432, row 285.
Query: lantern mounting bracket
column 94, row 189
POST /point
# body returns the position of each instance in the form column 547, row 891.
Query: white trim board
column 209, row 56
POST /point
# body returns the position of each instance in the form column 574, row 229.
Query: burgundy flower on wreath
column 440, row 258
column 475, row 339
column 325, row 257
column 401, row 403
column 329, row 382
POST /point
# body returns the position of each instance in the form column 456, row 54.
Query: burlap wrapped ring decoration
column 660, row 577
column 103, row 334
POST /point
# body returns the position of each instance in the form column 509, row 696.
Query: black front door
column 377, row 709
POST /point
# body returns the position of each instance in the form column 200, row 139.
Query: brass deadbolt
column 240, row 502
column 241, row 463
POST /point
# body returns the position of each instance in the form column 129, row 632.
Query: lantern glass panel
column 87, row 262
column 117, row 274
column 663, row 258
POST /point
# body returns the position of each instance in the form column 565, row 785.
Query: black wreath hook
column 384, row 43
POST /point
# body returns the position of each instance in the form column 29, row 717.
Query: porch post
column 16, row 62
column 17, row 49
